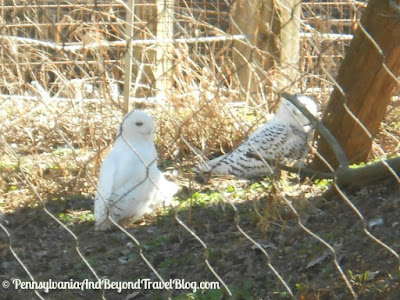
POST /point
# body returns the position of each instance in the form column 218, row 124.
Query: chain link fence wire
column 210, row 73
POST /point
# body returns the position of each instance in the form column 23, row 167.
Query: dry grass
column 203, row 114
column 54, row 134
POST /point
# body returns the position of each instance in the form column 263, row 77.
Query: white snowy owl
column 130, row 183
column 284, row 138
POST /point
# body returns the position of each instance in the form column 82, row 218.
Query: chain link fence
column 210, row 73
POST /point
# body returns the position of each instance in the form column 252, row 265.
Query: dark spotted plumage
column 283, row 139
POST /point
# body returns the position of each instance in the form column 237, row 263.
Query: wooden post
column 128, row 55
column 165, row 30
column 257, row 20
column 290, row 42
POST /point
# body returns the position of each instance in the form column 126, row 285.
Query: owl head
column 137, row 125
column 288, row 112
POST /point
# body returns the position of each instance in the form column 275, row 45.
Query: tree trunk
column 365, row 84
column 257, row 19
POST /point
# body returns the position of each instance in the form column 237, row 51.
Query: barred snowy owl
column 130, row 183
column 284, row 138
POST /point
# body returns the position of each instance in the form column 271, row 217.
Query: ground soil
column 307, row 266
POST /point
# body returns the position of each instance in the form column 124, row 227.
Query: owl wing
column 248, row 160
column 162, row 192
column 130, row 185
column 104, row 192
column 122, row 183
column 296, row 148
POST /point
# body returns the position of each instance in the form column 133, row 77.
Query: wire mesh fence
column 209, row 73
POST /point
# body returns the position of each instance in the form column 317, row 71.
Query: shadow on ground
column 49, row 251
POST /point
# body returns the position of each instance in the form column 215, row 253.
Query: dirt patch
column 50, row 253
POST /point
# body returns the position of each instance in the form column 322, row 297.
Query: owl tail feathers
column 209, row 166
column 102, row 225
column 166, row 191
column 101, row 217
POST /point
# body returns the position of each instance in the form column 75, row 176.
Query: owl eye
column 139, row 123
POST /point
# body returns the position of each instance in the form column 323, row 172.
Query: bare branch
column 339, row 153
